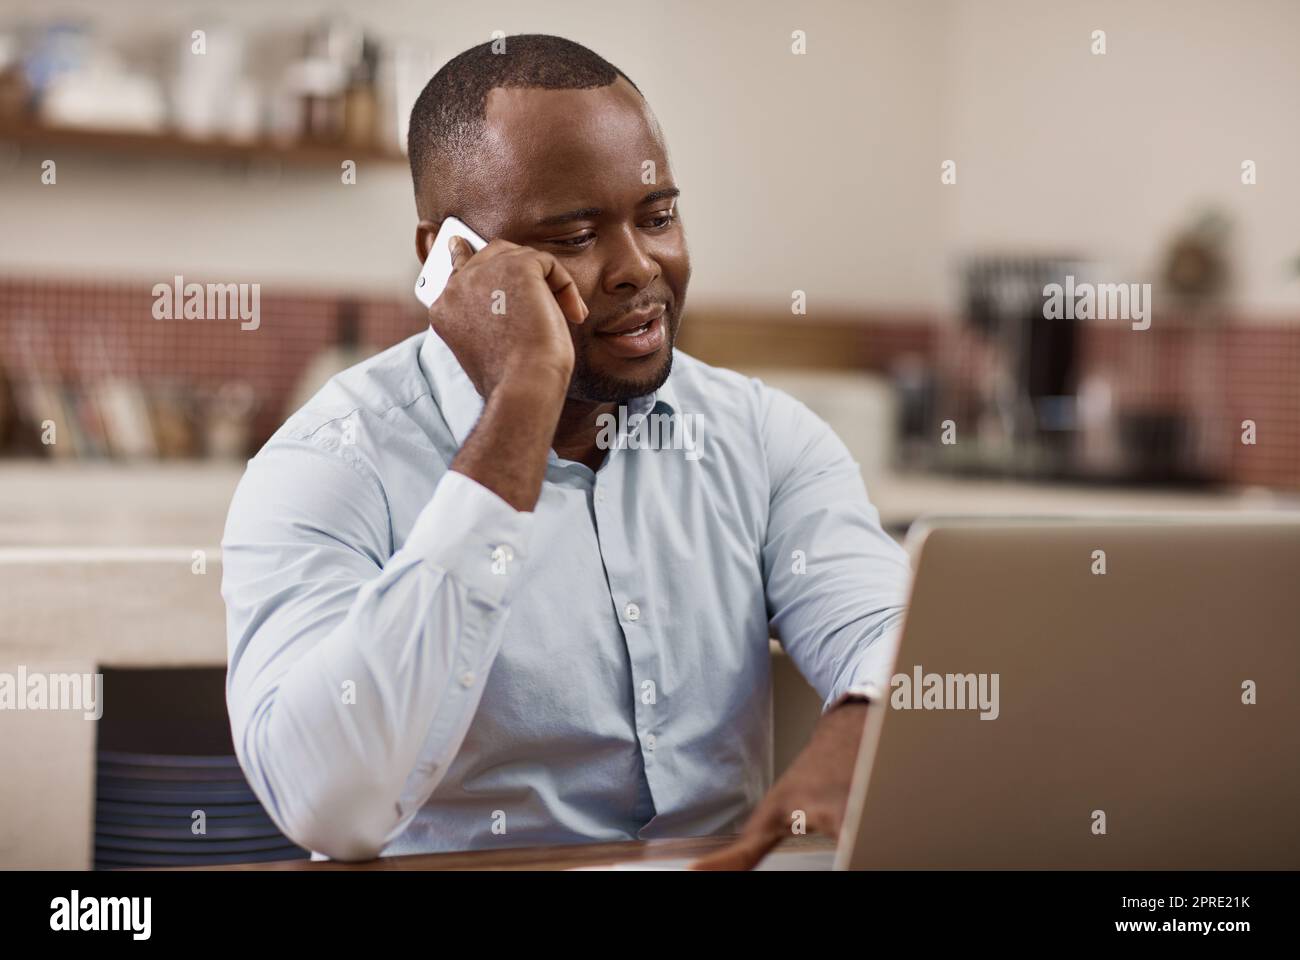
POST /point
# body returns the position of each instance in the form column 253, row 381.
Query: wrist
column 846, row 714
column 538, row 382
column 847, row 707
column 534, row 405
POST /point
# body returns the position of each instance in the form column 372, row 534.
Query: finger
column 762, row 831
column 461, row 252
column 828, row 821
column 565, row 290
column 745, row 853
column 494, row 247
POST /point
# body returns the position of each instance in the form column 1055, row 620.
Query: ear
column 425, row 233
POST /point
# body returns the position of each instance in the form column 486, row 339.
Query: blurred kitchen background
column 822, row 173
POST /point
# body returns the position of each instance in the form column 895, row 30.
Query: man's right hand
column 505, row 315
column 519, row 356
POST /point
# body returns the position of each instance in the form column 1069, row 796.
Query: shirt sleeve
column 836, row 582
column 354, row 671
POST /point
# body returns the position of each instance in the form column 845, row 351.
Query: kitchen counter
column 121, row 563
column 184, row 504
column 902, row 498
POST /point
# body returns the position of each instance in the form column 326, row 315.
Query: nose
column 628, row 267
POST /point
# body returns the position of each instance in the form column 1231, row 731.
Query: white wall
column 818, row 172
column 796, row 171
column 1108, row 155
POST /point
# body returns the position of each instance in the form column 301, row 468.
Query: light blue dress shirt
column 415, row 666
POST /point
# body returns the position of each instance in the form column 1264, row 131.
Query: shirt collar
column 457, row 397
column 461, row 404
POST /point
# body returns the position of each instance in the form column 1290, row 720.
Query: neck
column 576, row 431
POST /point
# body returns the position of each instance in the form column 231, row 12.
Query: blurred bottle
column 321, row 79
column 346, row 351
column 13, row 86
column 360, row 102
column 228, row 427
column 1099, row 452
column 209, row 94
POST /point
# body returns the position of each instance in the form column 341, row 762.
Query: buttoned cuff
column 472, row 535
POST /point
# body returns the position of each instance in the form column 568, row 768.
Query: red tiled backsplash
column 1218, row 375
column 69, row 332
column 77, row 332
column 1224, row 374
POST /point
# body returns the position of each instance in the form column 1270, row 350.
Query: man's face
column 584, row 175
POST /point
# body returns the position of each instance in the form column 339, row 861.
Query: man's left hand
column 816, row 785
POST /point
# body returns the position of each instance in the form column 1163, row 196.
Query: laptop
column 1085, row 694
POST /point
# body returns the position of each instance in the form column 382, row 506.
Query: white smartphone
column 437, row 265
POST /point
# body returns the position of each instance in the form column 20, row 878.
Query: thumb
column 460, row 251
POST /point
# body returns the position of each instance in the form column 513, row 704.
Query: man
column 464, row 609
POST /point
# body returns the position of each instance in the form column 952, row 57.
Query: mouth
column 636, row 334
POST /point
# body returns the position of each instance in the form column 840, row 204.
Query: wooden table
column 534, row 858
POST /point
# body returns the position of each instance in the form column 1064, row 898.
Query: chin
column 621, row 383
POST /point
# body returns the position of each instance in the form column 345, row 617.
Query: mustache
column 596, row 321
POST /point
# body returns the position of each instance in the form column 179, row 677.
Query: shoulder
column 363, row 395
column 343, row 435
column 729, row 396
column 737, row 402
column 759, row 431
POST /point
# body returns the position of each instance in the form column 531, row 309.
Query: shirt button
column 501, row 558
column 632, row 612
column 600, row 496
column 467, row 678
column 650, row 741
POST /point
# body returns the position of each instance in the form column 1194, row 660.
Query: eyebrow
column 588, row 213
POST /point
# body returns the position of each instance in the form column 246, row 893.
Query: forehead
column 546, row 147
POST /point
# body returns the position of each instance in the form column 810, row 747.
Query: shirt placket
column 635, row 610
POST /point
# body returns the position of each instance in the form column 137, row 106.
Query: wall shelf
column 173, row 145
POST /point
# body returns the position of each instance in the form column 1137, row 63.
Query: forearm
column 812, row 791
column 508, row 447
column 839, row 728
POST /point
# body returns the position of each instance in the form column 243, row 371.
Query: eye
column 577, row 242
column 659, row 221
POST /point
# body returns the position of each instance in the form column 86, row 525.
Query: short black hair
column 450, row 112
